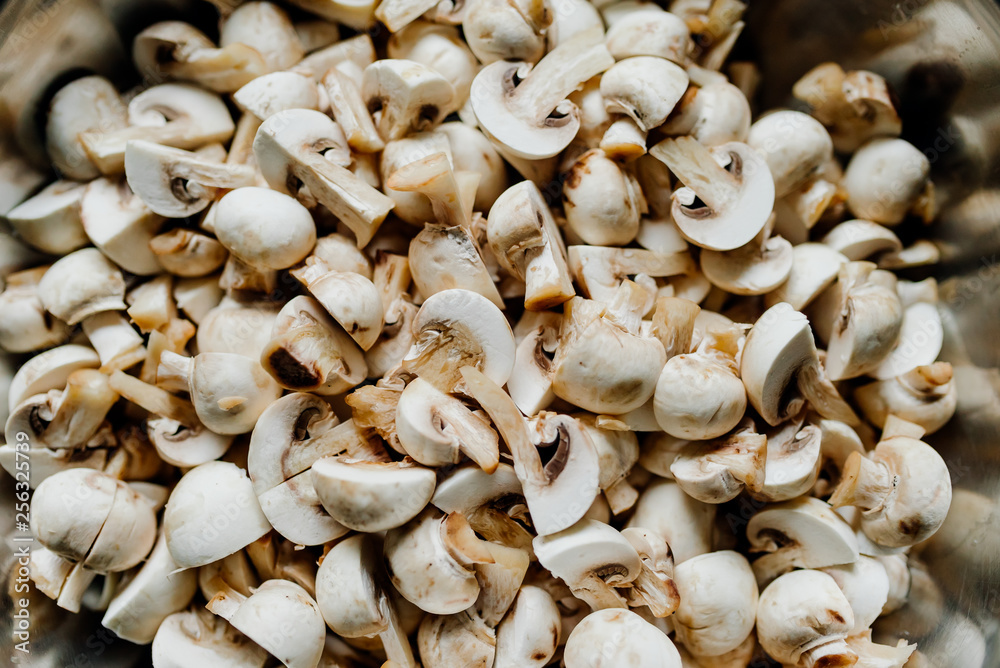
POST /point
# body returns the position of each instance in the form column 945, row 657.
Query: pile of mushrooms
column 457, row 349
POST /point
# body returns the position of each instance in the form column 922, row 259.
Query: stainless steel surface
column 943, row 58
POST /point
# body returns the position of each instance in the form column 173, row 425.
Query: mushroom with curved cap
column 865, row 583
column 903, row 489
column 84, row 287
column 801, row 533
column 120, row 224
column 557, row 493
column 266, row 28
column 528, row 636
column 803, row 620
column 443, row 258
column 49, row 370
column 158, row 590
column 714, row 113
column 229, row 391
column 921, row 338
column 266, row 95
column 717, row 471
column 89, row 517
column 860, row 239
column 780, row 369
column 526, row 242
column 183, row 252
column 196, row 637
column 441, row 48
column 926, row 396
column 355, row 598
column 458, row 327
column 885, row 180
column 263, row 228
column 757, row 268
column 603, row 364
column 50, row 220
column 645, row 88
column 405, row 96
column 88, row 104
column 430, row 561
column 683, row 521
column 793, row 461
column 290, row 147
column 231, row 327
column 623, row 140
column 815, row 267
column 464, row 637
column 619, row 638
column 647, row 30
column 493, row 503
column 718, row 601
column 530, row 382
column 732, row 183
column 176, row 183
column 700, row 395
column 178, row 115
column 180, row 445
column 525, row 109
column 63, row 419
column 593, row 559
column 414, row 206
column 601, row 200
column 794, row 145
column 447, row 190
column 178, row 50
column 352, row 300
column 189, row 520
column 600, row 270
column 280, row 616
column 24, row 324
column 654, row 587
column 501, row 30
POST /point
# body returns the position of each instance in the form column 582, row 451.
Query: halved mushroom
column 921, row 338
column 50, row 220
column 529, row 635
column 684, row 522
column 178, row 50
column 602, row 201
column 352, row 299
column 177, row 115
column 814, row 267
column 860, row 239
column 515, row 104
column 865, row 583
column 649, row 31
column 356, row 600
column 801, row 533
column 404, row 96
column 718, row 602
column 803, row 620
column 757, row 268
column 607, row 637
column 280, row 616
column 443, row 258
column 717, row 471
column 197, row 637
column 600, row 270
column 499, row 30
column 926, row 396
column 732, row 183
column 886, row 179
column 290, row 147
column 176, row 183
column 24, row 324
column 441, row 48
column 371, row 496
column 903, row 489
column 120, row 224
column 793, row 461
column 713, row 113
column 49, row 370
column 794, row 145
column 645, row 88
column 88, row 104
column 351, row 113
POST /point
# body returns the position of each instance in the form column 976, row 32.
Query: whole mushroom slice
column 352, row 299
column 559, row 492
column 757, row 268
column 618, row 638
column 197, row 637
column 903, row 489
column 405, row 96
column 431, row 559
column 178, row 115
column 794, row 145
column 371, row 496
column 780, row 369
column 280, row 616
column 65, row 419
column 717, row 471
column 436, row 429
column 732, row 183
column 529, row 635
column 158, row 590
column 50, row 220
column 87, row 104
column 600, row 270
column 801, row 533
column 645, row 88
column 178, row 50
column 193, row 506
column 926, row 396
column 814, row 268
column 458, row 327
column 803, row 619
column 718, row 602
column 120, row 224
column 176, row 183
column 266, row 95
column 289, row 148
column 861, row 239
column 525, row 108
column 356, row 599
column 526, row 242
column 592, row 558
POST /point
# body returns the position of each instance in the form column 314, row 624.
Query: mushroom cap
column 405, row 96
column 496, row 30
column 860, row 239
column 884, row 179
column 795, row 146
column 698, row 398
column 49, row 371
column 601, row 200
column 718, row 602
column 865, row 583
column 266, row 95
column 372, row 496
column 619, row 639
column 230, row 391
column 193, row 510
column 586, row 550
column 50, row 220
column 82, row 284
column 198, row 638
column 645, row 88
column 469, row 487
column 69, row 509
column 714, row 113
column 87, row 103
column 684, row 522
column 650, row 31
column 348, row 588
column 264, row 228
column 529, row 634
column 25, row 326
column 753, row 269
column 120, row 224
column 814, row 267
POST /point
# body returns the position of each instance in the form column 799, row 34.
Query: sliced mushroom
column 529, row 635
column 717, row 471
column 814, row 268
column 266, row 95
column 50, row 220
column 860, row 239
column 619, row 637
column 197, row 637
column 654, row 587
column 404, row 96
column 493, row 503
column 184, row 252
column 732, row 182
column 497, row 30
column 794, row 145
column 602, row 201
column 757, row 268
column 885, row 179
column 926, row 396
column 88, row 104
column 921, row 338
column 714, row 113
column 865, row 583
column 444, row 258
column 793, row 461
column 684, row 522
column 25, row 326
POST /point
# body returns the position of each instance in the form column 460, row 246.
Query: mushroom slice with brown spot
column 593, row 559
column 266, row 95
column 926, row 395
column 356, row 599
column 442, row 258
column 175, row 183
column 178, row 50
column 50, row 220
column 64, row 419
column 559, row 492
column 903, row 489
column 654, row 587
column 814, row 268
column 600, row 270
column 405, row 96
column 443, row 638
column 793, row 461
column 529, row 635
column 728, row 196
column 120, row 224
column 801, row 533
column 177, row 115
column 500, row 30
column 525, row 108
column 352, row 299
column 197, row 637
column 290, row 148
column 717, row 471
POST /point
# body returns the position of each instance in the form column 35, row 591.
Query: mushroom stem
column 174, row 371
column 154, row 399
column 433, row 177
column 462, row 543
column 86, row 400
column 833, row 654
column 864, row 483
column 117, row 344
column 673, row 324
column 927, row 378
column 559, row 73
column 396, row 644
column 226, row 601
column 697, row 169
column 626, row 308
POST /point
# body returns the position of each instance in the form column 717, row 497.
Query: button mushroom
column 607, row 638
column 885, row 179
column 926, row 396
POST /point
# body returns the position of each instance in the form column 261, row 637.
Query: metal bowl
column 943, row 59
